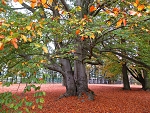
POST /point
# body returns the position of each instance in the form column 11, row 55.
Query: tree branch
column 131, row 59
column 28, row 7
column 65, row 5
column 54, row 67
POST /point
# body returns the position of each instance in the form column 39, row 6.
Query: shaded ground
column 108, row 99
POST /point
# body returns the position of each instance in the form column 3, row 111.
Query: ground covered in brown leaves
column 108, row 99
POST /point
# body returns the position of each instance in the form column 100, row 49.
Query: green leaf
column 11, row 105
column 40, row 107
column 41, row 100
column 28, row 103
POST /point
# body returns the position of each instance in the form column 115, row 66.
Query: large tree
column 81, row 31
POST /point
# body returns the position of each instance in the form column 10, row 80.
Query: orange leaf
column 1, row 23
column 92, row 8
column 77, row 31
column 33, row 4
column 124, row 22
column 11, row 33
column 2, row 36
column 14, row 42
column 15, row 0
column 85, row 16
column 82, row 38
column 137, row 2
column 33, row 107
column 3, row 2
column 46, row 6
column 115, row 9
column 119, row 23
column 141, row 7
column 33, row 1
column 1, row 46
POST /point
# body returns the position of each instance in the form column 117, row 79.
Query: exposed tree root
column 82, row 95
column 90, row 94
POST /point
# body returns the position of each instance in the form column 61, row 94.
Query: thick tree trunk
column 68, row 78
column 80, row 75
column 77, row 85
column 82, row 81
column 147, row 81
column 126, row 85
column 64, row 81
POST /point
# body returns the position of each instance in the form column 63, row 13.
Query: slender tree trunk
column 126, row 85
column 138, row 77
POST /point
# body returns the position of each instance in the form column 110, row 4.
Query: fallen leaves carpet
column 108, row 99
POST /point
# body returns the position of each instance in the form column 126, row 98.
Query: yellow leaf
column 43, row 1
column 92, row 36
column 135, row 4
column 20, row 1
column 148, row 7
column 39, row 33
column 24, row 38
column 119, row 23
column 42, row 61
column 109, row 23
column 28, row 27
column 41, row 26
column 33, row 34
column 141, row 7
column 6, row 24
column 50, row 2
column 45, row 49
column 37, row 45
column 56, row 7
column 30, row 39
